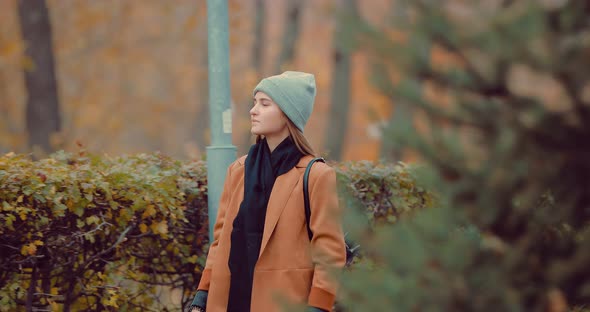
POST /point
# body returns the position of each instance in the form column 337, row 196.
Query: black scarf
column 262, row 169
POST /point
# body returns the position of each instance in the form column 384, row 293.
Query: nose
column 253, row 111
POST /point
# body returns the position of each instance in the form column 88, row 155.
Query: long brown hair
column 297, row 136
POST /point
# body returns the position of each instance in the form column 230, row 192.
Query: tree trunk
column 257, row 53
column 42, row 112
column 290, row 35
column 338, row 116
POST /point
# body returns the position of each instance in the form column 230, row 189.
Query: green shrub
column 76, row 229
column 88, row 232
column 385, row 192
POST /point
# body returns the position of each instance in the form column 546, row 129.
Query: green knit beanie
column 294, row 92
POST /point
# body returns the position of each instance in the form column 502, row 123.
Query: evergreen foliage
column 496, row 97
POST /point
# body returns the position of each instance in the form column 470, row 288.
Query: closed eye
column 263, row 102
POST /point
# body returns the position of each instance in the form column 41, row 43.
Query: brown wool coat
column 288, row 265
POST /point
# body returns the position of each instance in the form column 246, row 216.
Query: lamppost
column 221, row 153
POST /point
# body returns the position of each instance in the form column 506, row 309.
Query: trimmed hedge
column 88, row 232
column 385, row 192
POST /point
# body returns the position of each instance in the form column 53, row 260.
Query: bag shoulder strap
column 306, row 193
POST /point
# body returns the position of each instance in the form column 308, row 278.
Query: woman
column 261, row 250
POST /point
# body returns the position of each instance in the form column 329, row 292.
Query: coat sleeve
column 223, row 202
column 328, row 247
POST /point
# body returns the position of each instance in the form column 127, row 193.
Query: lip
column 253, row 121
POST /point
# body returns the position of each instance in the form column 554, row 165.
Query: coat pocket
column 274, row 286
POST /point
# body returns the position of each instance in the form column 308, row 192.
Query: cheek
column 276, row 119
column 280, row 120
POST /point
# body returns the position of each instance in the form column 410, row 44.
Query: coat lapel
column 277, row 202
column 278, row 199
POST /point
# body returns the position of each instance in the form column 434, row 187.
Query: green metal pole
column 221, row 153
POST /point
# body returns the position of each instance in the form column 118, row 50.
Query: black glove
column 200, row 301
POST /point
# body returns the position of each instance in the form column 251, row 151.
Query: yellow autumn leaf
column 132, row 275
column 193, row 259
column 10, row 48
column 20, row 199
column 124, row 214
column 23, row 216
column 29, row 250
column 6, row 206
column 32, row 249
column 149, row 211
column 143, row 228
column 38, row 243
column 112, row 299
column 160, row 227
column 92, row 219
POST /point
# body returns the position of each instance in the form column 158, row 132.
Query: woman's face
column 266, row 117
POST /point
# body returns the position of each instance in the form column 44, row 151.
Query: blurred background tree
column 339, row 110
column 42, row 114
column 131, row 76
column 496, row 104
